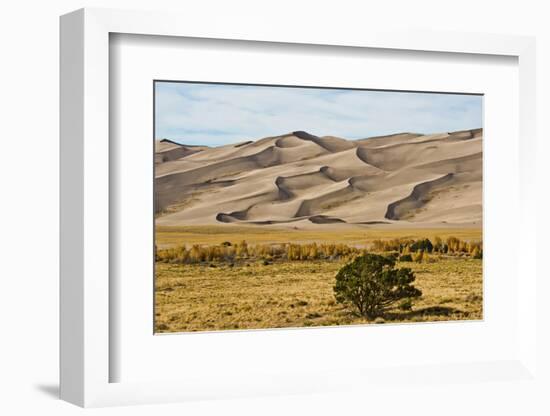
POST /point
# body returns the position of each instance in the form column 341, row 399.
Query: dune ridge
column 302, row 180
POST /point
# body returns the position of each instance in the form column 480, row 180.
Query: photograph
column 290, row 206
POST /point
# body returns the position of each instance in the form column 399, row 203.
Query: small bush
column 371, row 283
column 406, row 257
column 422, row 245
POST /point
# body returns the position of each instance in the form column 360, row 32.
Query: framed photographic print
column 261, row 227
column 283, row 212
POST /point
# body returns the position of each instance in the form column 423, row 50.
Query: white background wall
column 29, row 57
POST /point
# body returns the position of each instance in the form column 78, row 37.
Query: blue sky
column 217, row 114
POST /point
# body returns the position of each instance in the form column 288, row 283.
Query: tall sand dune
column 302, row 180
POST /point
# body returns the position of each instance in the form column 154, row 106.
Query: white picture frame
column 85, row 211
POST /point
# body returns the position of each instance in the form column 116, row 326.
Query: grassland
column 251, row 293
column 298, row 294
column 170, row 236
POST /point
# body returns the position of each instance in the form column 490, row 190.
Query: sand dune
column 167, row 150
column 302, row 180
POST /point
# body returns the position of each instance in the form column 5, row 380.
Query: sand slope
column 302, row 180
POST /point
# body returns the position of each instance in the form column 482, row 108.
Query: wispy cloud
column 216, row 114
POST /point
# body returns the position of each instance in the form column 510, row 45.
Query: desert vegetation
column 372, row 284
column 261, row 282
column 405, row 249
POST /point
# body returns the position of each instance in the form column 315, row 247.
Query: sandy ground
column 300, row 181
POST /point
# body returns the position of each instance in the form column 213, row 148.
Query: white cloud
column 217, row 114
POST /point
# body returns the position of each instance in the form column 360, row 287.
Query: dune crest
column 303, row 180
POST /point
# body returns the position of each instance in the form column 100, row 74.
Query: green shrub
column 422, row 245
column 406, row 257
column 405, row 305
column 372, row 283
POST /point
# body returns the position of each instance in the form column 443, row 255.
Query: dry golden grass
column 170, row 236
column 248, row 294
column 299, row 294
